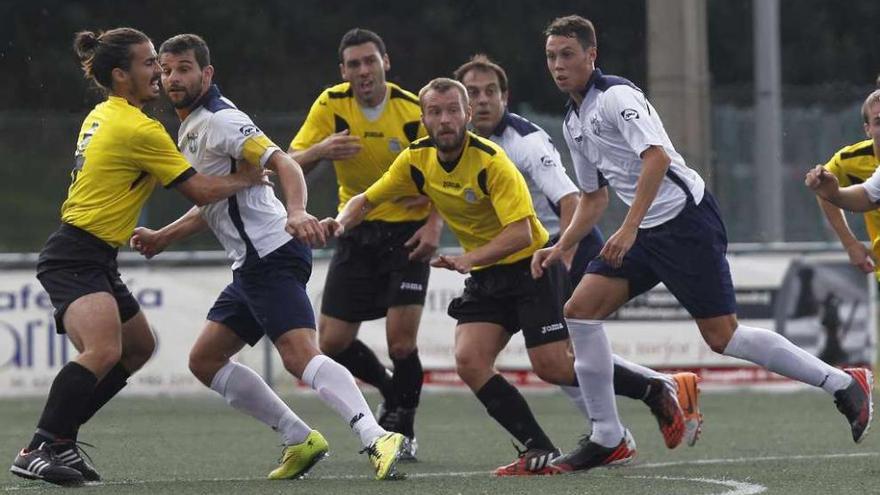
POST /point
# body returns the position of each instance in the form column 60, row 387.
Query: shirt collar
column 212, row 93
column 502, row 124
column 572, row 105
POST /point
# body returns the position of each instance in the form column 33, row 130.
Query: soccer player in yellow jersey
column 380, row 269
column 852, row 165
column 121, row 156
column 485, row 201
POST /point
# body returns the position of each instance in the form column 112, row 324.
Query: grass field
column 752, row 443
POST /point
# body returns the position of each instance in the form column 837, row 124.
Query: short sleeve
column 508, row 191
column 398, row 181
column 635, row 118
column 540, row 161
column 153, row 151
column 233, row 133
column 835, row 166
column 318, row 125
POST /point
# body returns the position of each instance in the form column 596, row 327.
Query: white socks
column 594, row 368
column 577, row 398
column 246, row 391
column 777, row 354
column 336, row 387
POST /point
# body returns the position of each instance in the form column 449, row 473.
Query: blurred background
column 751, row 92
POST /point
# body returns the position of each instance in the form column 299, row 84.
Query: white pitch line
column 695, row 462
column 739, row 487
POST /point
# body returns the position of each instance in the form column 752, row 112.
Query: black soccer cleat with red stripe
column 589, row 455
column 41, row 464
column 856, row 402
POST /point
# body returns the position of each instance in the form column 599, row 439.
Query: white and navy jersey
column 213, row 138
column 608, row 132
column 872, row 186
column 532, row 151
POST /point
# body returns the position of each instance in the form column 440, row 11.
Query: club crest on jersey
column 629, row 114
column 191, row 138
column 594, row 123
column 394, row 145
column 469, row 195
column 248, row 130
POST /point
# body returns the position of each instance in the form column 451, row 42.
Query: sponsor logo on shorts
column 552, row 328
column 412, row 286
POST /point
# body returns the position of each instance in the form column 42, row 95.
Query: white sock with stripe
column 336, row 387
column 246, row 391
column 594, row 368
column 776, row 353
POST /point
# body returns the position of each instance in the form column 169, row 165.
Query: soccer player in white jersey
column 555, row 198
column 672, row 233
column 269, row 247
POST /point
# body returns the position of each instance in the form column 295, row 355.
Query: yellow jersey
column 853, row 165
column 121, row 155
column 382, row 139
column 477, row 196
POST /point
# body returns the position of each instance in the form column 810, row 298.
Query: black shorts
column 507, row 295
column 74, row 263
column 371, row 272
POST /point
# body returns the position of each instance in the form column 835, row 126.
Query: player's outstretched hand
column 306, row 228
column 254, row 174
column 424, row 243
column 861, row 257
column 459, row 264
column 148, row 242
column 542, row 259
column 822, row 182
column 340, row 146
column 332, row 228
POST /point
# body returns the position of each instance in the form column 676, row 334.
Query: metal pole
column 768, row 121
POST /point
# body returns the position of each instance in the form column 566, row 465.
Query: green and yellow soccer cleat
column 296, row 460
column 384, row 454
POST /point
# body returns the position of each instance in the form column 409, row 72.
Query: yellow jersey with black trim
column 854, row 164
column 477, row 196
column 121, row 154
column 382, row 139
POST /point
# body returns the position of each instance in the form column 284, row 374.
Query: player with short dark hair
column 672, row 233
column 269, row 244
column 672, row 399
column 379, row 269
column 121, row 156
column 486, row 203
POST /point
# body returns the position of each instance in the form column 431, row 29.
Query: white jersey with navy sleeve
column 532, row 151
column 608, row 132
column 213, row 138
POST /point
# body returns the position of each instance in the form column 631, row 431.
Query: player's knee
column 101, row 359
column 331, row 345
column 470, row 367
column 203, row 367
column 580, row 310
column 295, row 363
column 716, row 342
column 553, row 371
column 401, row 350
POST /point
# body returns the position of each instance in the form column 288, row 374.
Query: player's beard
column 453, row 145
column 191, row 94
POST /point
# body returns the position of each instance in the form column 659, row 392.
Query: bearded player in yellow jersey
column 121, row 156
column 379, row 269
column 486, row 203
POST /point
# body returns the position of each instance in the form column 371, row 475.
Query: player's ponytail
column 100, row 54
